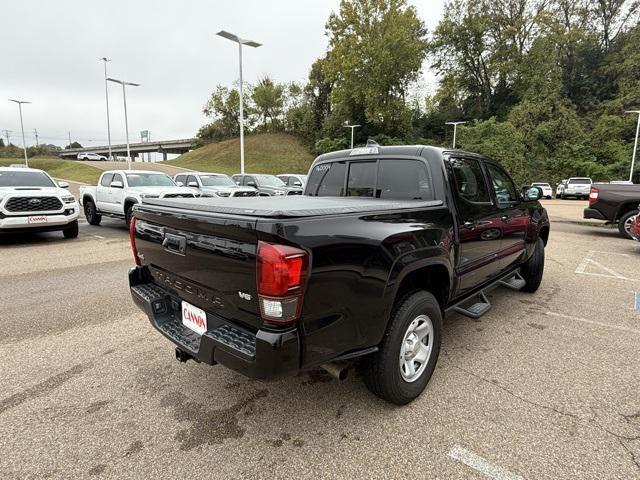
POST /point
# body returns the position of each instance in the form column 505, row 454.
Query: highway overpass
column 164, row 147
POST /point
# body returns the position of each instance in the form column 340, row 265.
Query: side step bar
column 478, row 304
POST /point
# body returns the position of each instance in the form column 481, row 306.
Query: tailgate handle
column 175, row 243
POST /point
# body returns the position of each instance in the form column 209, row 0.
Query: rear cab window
column 391, row 178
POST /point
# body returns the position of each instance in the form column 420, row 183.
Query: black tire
column 533, row 268
column 381, row 370
column 562, row 196
column 71, row 231
column 91, row 213
column 622, row 223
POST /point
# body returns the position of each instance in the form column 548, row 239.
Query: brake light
column 593, row 195
column 132, row 239
column 281, row 277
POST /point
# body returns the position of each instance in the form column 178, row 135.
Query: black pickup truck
column 363, row 267
column 614, row 203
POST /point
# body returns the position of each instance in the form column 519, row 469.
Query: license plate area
column 194, row 318
column 38, row 219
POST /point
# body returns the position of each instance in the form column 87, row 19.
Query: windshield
column 216, row 181
column 149, row 180
column 580, row 181
column 25, row 179
column 269, row 180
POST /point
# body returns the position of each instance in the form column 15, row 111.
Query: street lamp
column 126, row 121
column 240, row 42
column 106, row 94
column 24, row 143
column 352, row 127
column 455, row 129
column 635, row 145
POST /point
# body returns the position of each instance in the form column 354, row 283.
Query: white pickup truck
column 119, row 190
column 31, row 201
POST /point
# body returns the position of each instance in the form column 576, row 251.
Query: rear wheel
column 71, row 231
column 625, row 222
column 533, row 268
column 401, row 369
column 91, row 214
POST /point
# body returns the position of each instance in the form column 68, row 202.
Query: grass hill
column 67, row 169
column 264, row 153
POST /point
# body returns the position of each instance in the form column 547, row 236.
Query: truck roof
column 426, row 151
column 290, row 206
column 125, row 171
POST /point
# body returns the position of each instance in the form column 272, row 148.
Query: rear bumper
column 593, row 213
column 261, row 355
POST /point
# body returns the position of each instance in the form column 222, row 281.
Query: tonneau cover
column 289, row 206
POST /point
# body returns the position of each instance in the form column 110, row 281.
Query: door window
column 190, row 179
column 181, row 178
column 117, row 178
column 106, row 179
column 470, row 184
column 247, row 180
column 503, row 186
column 403, row 179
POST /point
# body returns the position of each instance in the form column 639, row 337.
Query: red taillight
column 132, row 239
column 593, row 195
column 281, row 275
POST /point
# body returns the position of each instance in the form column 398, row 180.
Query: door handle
column 469, row 225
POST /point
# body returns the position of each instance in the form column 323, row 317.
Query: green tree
column 376, row 50
column 269, row 101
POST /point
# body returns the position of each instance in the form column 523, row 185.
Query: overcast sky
column 51, row 49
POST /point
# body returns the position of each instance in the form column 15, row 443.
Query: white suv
column 578, row 187
column 547, row 192
column 91, row 156
column 31, row 201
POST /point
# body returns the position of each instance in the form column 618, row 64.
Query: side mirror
column 297, row 183
column 63, row 184
column 532, row 194
column 251, row 184
column 193, row 184
column 116, row 184
column 180, row 184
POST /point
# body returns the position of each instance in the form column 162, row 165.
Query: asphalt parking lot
column 543, row 386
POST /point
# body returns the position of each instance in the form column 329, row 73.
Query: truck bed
column 289, row 206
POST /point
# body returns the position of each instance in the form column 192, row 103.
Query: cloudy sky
column 51, row 50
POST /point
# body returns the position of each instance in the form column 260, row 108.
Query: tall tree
column 269, row 99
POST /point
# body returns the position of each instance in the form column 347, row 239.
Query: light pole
column 455, row 129
column 352, row 127
column 24, row 143
column 126, row 121
column 635, row 145
column 106, row 94
column 240, row 41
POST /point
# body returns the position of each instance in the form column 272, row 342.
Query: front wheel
column 71, row 231
column 625, row 222
column 91, row 214
column 401, row 369
column 533, row 268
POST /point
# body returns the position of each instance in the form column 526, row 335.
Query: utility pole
column 69, row 139
column 35, row 132
column 352, row 127
column 24, row 142
column 455, row 129
column 635, row 145
column 106, row 94
column 250, row 43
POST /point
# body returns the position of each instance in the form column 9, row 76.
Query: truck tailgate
column 209, row 263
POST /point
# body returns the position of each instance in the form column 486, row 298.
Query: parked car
column 119, row 190
column 213, row 185
column 293, row 179
column 267, row 185
column 31, row 201
column 547, row 192
column 560, row 188
column 615, row 204
column 91, row 156
column 361, row 268
column 577, row 187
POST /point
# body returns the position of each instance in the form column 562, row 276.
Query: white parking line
column 480, row 464
column 593, row 322
column 586, row 261
column 99, row 236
